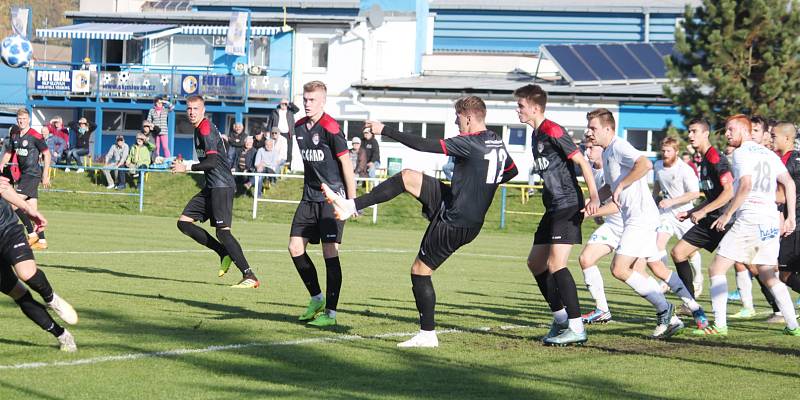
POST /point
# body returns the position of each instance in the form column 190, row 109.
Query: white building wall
column 111, row 5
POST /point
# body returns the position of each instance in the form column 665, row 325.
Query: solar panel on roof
column 625, row 61
column 570, row 64
column 598, row 62
column 649, row 57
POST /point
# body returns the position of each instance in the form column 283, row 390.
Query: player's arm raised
column 745, row 185
column 790, row 196
column 413, row 141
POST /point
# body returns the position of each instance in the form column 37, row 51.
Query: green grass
column 164, row 295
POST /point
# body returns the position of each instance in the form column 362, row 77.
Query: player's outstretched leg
column 37, row 313
column 647, row 287
column 407, row 181
column 425, row 298
column 37, row 280
column 234, row 249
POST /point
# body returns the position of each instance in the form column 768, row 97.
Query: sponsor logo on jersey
column 24, row 143
column 767, row 234
column 315, row 139
column 541, row 163
column 313, row 155
column 200, row 152
column 540, row 146
column 18, row 245
column 22, row 152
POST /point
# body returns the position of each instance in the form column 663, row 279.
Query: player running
column 754, row 237
column 456, row 213
column 29, row 146
column 215, row 201
column 326, row 159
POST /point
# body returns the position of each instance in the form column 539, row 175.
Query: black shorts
column 13, row 250
column 789, row 255
column 29, row 186
column 215, row 204
column 703, row 236
column 561, row 226
column 315, row 221
column 441, row 239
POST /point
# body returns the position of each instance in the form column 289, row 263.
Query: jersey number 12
column 494, row 171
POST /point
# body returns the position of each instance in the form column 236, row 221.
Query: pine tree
column 737, row 56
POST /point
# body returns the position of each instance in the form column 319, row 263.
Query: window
column 517, row 135
column 577, row 133
column 133, row 121
column 133, row 51
column 253, row 124
column 413, row 128
column 159, row 50
column 319, row 54
column 396, row 126
column 259, row 51
column 195, row 50
column 646, row 140
column 434, row 131
column 498, row 129
column 354, row 129
column 118, row 120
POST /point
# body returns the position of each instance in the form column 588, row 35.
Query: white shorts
column 607, row 234
column 670, row 224
column 639, row 242
column 752, row 243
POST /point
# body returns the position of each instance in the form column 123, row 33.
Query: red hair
column 740, row 119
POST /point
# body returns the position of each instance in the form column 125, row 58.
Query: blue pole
column 141, row 190
column 503, row 207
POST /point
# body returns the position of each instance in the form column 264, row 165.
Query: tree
column 737, row 56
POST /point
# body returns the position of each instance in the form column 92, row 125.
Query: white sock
column 697, row 263
column 719, row 299
column 576, row 324
column 745, row 284
column 427, row 333
column 784, row 301
column 331, row 313
column 560, row 316
column 594, row 282
column 645, row 289
column 677, row 287
column 318, row 297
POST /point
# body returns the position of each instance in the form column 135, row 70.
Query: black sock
column 38, row 314
column 425, row 297
column 333, row 282
column 39, row 283
column 201, row 236
column 234, row 249
column 686, row 273
column 305, row 267
column 568, row 292
column 793, row 281
column 25, row 220
column 549, row 289
column 385, row 191
column 41, row 235
column 768, row 295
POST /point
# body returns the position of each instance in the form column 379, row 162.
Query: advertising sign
column 268, row 87
column 130, row 84
column 81, row 81
column 237, row 32
column 59, row 80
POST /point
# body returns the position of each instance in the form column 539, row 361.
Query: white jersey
column 763, row 166
column 613, row 219
column 674, row 181
column 636, row 202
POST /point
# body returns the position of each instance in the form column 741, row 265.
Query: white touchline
column 211, row 349
column 282, row 250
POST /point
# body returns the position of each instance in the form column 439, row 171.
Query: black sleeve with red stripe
column 416, row 142
column 458, row 146
column 209, row 137
column 560, row 139
column 509, row 170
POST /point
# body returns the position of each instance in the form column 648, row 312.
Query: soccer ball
column 16, row 51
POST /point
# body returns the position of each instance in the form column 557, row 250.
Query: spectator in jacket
column 138, row 158
column 373, row 150
column 267, row 160
column 116, row 157
column 150, row 131
column 283, row 118
column 246, row 162
column 235, row 143
column 261, row 136
column 359, row 158
column 82, row 130
column 57, row 128
column 56, row 144
column 281, row 148
column 159, row 116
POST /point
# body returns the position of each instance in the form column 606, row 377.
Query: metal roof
column 653, row 6
column 283, row 3
column 497, row 87
column 209, row 17
column 92, row 30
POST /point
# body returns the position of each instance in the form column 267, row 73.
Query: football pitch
column 157, row 323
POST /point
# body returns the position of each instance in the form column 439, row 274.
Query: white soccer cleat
column 64, row 310
column 422, row 339
column 66, row 342
column 343, row 208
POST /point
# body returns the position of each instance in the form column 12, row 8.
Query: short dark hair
column 155, row 100
column 759, row 120
column 699, row 121
column 534, row 94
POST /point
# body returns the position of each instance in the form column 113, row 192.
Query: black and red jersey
column 552, row 150
column 321, row 145
column 481, row 164
column 207, row 142
column 792, row 162
column 28, row 148
column 715, row 171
